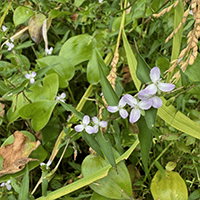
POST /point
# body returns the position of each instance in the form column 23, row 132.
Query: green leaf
column 172, row 187
column 39, row 112
column 61, row 66
column 132, row 62
column 160, row 168
column 106, row 148
column 150, row 117
column 90, row 140
column 1, row 162
column 14, row 185
column 96, row 196
column 93, row 177
column 78, row 3
column 145, row 137
column 21, row 15
column 24, row 189
column 92, row 67
column 78, row 48
column 116, row 185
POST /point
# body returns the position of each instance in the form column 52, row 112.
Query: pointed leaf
column 24, row 189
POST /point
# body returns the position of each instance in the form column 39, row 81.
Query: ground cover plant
column 99, row 99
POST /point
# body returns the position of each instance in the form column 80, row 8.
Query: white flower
column 100, row 1
column 10, row 44
column 191, row 13
column 98, row 123
column 84, row 125
column 157, row 84
column 123, row 113
column 31, row 77
column 7, row 184
column 137, row 107
column 61, row 97
column 47, row 165
column 49, row 51
column 4, row 28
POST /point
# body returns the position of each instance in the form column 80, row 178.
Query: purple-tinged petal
column 63, row 95
column 89, row 129
column 134, row 115
column 112, row 109
column 155, row 74
column 3, row 184
column 130, row 100
column 33, row 74
column 123, row 113
column 9, row 187
column 103, row 124
column 122, row 102
column 156, row 102
column 32, row 80
column 143, row 95
column 79, row 128
column 145, row 105
column 86, row 120
column 95, row 128
column 28, row 76
column 95, row 120
column 48, row 163
column 166, row 87
column 151, row 89
column 41, row 164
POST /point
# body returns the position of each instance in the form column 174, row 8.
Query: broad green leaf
column 108, row 92
column 90, row 140
column 132, row 62
column 24, row 189
column 93, row 177
column 150, row 117
column 14, row 185
column 182, row 147
column 21, row 15
column 78, row 49
column 96, row 196
column 116, row 185
column 78, row 3
column 178, row 16
column 92, row 67
column 39, row 112
column 172, row 187
column 145, row 137
column 61, row 66
column 106, row 148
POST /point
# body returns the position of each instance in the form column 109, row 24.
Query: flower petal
column 143, row 95
column 95, row 128
column 28, row 76
column 63, row 95
column 156, row 102
column 33, row 74
column 95, row 120
column 9, row 187
column 79, row 128
column 123, row 113
column 151, row 89
column 3, row 184
column 103, row 124
column 112, row 109
column 41, row 164
column 130, row 100
column 122, row 102
column 8, row 182
column 145, row 105
column 166, row 87
column 48, row 163
column 32, row 80
column 155, row 74
column 134, row 115
column 86, row 120
column 89, row 129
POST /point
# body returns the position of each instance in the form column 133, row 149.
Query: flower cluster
column 90, row 129
column 61, row 97
column 31, row 77
column 7, row 184
column 10, row 44
column 46, row 165
column 48, row 51
column 148, row 98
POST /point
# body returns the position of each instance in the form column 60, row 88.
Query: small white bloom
column 10, row 44
column 49, row 51
column 27, row 12
column 61, row 97
column 100, row 1
column 191, row 13
column 84, row 125
column 7, row 184
column 98, row 123
column 31, row 77
column 47, row 165
column 4, row 28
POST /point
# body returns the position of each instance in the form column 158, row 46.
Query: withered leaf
column 2, row 111
column 15, row 155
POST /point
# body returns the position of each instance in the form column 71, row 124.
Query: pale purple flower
column 123, row 113
column 47, row 165
column 31, row 77
column 137, row 107
column 98, row 123
column 157, row 84
column 155, row 101
column 49, row 51
column 4, row 28
column 84, row 125
column 10, row 44
column 61, row 97
column 7, row 184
